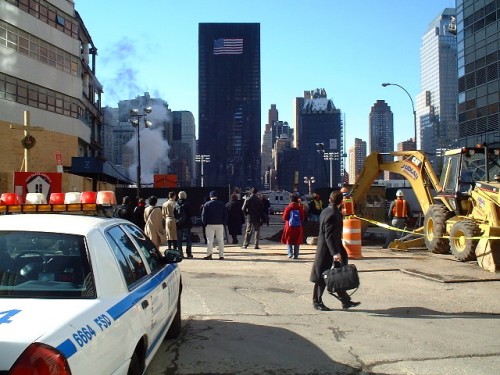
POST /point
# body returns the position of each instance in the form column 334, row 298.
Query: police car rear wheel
column 175, row 328
column 135, row 365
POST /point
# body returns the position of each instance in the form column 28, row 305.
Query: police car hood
column 51, row 321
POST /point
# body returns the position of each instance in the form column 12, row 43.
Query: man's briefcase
column 341, row 278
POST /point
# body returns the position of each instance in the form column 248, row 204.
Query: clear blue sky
column 346, row 47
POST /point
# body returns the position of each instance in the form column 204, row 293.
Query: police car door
column 147, row 289
column 168, row 285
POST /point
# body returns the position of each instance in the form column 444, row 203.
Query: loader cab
column 461, row 169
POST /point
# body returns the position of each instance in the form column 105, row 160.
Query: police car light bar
column 58, row 202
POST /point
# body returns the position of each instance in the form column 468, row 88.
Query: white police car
column 83, row 294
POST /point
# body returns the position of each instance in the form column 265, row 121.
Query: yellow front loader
column 464, row 213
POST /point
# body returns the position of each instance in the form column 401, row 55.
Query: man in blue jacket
column 214, row 218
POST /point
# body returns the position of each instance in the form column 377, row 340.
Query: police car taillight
column 40, row 359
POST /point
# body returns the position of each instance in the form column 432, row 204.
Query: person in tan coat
column 167, row 211
column 154, row 223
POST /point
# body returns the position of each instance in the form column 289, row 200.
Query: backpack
column 179, row 213
column 294, row 220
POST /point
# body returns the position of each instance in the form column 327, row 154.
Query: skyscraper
column 436, row 103
column 272, row 114
column 183, row 148
column 381, row 128
column 229, row 103
column 268, row 140
column 319, row 121
column 478, row 56
column 266, row 155
column 357, row 156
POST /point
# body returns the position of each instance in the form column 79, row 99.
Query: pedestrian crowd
column 170, row 225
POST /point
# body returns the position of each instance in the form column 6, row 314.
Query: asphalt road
column 251, row 313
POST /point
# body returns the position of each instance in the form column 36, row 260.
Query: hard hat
column 399, row 193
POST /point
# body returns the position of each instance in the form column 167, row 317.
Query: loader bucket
column 408, row 244
column 409, row 241
column 488, row 250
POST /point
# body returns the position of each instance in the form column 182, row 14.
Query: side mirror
column 172, row 256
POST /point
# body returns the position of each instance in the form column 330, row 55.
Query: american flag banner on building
column 225, row 46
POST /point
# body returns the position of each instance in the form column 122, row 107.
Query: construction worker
column 315, row 207
column 347, row 205
column 399, row 213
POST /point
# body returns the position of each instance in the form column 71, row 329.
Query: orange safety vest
column 347, row 207
column 400, row 208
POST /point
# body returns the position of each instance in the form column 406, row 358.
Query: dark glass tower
column 318, row 122
column 229, row 103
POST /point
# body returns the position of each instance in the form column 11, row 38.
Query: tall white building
column 436, row 102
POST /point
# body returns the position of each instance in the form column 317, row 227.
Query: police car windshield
column 44, row 265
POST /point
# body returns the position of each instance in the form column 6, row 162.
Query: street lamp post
column 412, row 106
column 202, row 159
column 320, row 148
column 331, row 156
column 309, row 181
column 135, row 116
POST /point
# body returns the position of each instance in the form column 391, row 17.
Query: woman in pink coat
column 293, row 233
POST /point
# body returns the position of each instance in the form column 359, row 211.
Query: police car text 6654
column 81, row 292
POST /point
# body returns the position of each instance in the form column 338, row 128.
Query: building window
column 48, row 14
column 37, row 49
column 60, row 20
column 20, row 91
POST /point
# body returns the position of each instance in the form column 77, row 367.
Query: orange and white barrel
column 351, row 237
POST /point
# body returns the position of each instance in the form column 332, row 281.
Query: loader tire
column 435, row 229
column 463, row 247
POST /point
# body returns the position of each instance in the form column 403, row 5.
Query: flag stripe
column 225, row 46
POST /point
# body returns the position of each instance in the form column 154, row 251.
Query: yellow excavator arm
column 412, row 165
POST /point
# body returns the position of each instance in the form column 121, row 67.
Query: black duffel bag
column 344, row 277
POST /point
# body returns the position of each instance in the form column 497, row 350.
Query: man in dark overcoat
column 235, row 217
column 329, row 249
column 253, row 210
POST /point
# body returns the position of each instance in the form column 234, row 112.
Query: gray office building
column 436, row 103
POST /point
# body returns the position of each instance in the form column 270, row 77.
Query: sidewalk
column 252, row 313
column 437, row 267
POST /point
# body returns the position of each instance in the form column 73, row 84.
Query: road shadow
column 227, row 347
column 417, row 312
